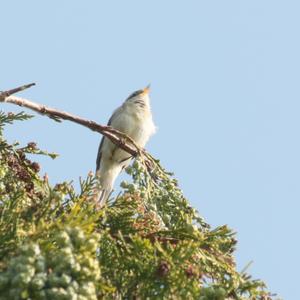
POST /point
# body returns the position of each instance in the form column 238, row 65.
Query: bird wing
column 99, row 155
column 98, row 161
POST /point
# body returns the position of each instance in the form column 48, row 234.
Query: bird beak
column 146, row 90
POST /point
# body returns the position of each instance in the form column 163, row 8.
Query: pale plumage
column 133, row 118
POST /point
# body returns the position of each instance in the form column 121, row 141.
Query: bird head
column 140, row 96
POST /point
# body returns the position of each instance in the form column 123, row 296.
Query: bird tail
column 102, row 196
column 106, row 179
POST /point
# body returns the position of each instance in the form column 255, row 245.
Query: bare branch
column 117, row 137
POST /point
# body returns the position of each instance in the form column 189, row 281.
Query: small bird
column 134, row 118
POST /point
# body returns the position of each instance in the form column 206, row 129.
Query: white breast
column 136, row 123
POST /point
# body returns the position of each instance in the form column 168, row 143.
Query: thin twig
column 8, row 93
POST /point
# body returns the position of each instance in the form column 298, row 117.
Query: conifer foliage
column 148, row 243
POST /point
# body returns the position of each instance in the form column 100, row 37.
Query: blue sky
column 225, row 97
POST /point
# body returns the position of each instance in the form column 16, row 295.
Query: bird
column 134, row 118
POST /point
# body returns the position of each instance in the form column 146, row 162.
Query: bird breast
column 136, row 123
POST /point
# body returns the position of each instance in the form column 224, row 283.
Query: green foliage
column 66, row 269
column 148, row 243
